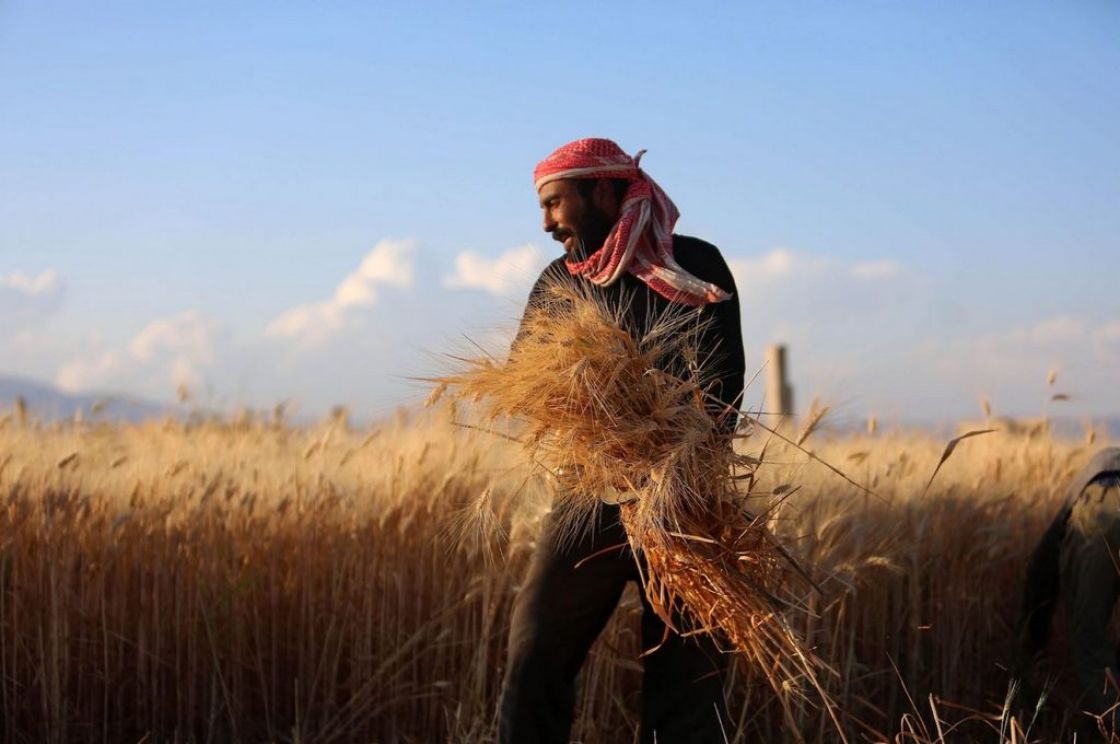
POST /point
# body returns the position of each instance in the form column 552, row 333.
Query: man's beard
column 590, row 239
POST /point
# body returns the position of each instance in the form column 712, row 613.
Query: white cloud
column 87, row 372
column 875, row 270
column 185, row 334
column 307, row 323
column 1053, row 330
column 1011, row 366
column 791, row 288
column 180, row 349
column 777, row 263
column 34, row 286
column 1109, row 332
column 841, row 319
column 26, row 297
column 501, row 276
column 783, row 264
column 877, row 335
column 389, row 263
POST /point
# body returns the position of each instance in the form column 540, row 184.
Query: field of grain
column 248, row 580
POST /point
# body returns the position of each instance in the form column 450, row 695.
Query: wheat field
column 248, row 580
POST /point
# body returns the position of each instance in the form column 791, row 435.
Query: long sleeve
column 722, row 342
column 727, row 322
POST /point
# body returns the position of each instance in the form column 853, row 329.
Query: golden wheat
column 258, row 595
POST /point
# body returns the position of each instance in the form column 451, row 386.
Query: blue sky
column 921, row 199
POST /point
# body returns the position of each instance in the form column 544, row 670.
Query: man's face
column 580, row 224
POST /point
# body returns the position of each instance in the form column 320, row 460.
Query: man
column 1078, row 559
column 616, row 225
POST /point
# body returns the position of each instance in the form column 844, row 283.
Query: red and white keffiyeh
column 641, row 242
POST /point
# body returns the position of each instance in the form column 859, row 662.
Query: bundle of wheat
column 606, row 409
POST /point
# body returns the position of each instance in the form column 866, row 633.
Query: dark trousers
column 557, row 615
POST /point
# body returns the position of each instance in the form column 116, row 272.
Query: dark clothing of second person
column 561, row 609
column 1077, row 560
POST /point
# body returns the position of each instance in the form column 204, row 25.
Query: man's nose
column 549, row 223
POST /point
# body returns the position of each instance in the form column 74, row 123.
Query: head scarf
column 641, row 241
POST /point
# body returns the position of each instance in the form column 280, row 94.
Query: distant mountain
column 51, row 404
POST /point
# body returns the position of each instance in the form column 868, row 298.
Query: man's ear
column 606, row 197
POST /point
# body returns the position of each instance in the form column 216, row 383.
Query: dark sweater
column 720, row 345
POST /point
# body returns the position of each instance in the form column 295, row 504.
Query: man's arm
column 729, row 339
column 722, row 340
